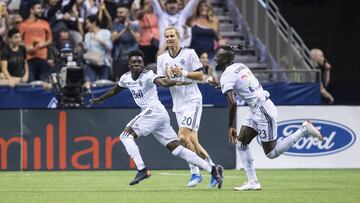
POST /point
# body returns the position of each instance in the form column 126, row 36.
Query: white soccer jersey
column 143, row 89
column 178, row 20
column 239, row 78
column 187, row 95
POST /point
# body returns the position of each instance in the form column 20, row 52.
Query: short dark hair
column 33, row 3
column 137, row 52
column 94, row 18
column 229, row 51
column 12, row 32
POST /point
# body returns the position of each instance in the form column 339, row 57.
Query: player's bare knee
column 173, row 145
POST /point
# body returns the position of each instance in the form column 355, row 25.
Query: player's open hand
column 232, row 135
column 176, row 71
column 96, row 101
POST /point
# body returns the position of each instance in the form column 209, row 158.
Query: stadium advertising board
column 85, row 139
column 338, row 124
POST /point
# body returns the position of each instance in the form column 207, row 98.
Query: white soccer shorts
column 156, row 121
column 263, row 120
column 189, row 117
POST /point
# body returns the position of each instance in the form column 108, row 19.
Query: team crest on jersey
column 140, row 83
column 182, row 61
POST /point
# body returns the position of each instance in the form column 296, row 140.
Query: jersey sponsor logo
column 337, row 137
column 138, row 94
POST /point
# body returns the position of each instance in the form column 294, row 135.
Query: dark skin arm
column 232, row 106
column 164, row 82
column 113, row 91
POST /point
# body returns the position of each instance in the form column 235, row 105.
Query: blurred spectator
column 111, row 6
column 88, row 8
column 56, row 14
column 125, row 36
column 204, row 31
column 98, row 45
column 320, row 62
column 104, row 16
column 13, row 60
column 172, row 16
column 150, row 34
column 3, row 19
column 14, row 21
column 37, row 36
column 209, row 72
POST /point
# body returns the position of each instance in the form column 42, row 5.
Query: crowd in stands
column 102, row 33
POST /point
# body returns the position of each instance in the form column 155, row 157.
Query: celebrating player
column 152, row 119
column 184, row 65
column 261, row 120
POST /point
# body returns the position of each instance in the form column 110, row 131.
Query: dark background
column 334, row 27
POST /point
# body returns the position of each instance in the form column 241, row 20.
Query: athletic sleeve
column 121, row 82
column 227, row 82
column 151, row 76
column 195, row 63
column 159, row 67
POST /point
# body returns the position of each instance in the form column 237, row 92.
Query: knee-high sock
column 133, row 150
column 283, row 145
column 191, row 157
column 194, row 169
column 247, row 161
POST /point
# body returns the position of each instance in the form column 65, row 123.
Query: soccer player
column 183, row 65
column 152, row 119
column 261, row 120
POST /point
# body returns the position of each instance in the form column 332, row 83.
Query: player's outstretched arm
column 164, row 82
column 113, row 91
column 232, row 106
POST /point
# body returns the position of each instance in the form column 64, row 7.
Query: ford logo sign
column 337, row 137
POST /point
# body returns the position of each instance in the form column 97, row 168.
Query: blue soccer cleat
column 213, row 180
column 194, row 180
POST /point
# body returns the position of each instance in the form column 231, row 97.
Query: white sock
column 283, row 145
column 208, row 159
column 191, row 157
column 247, row 161
column 194, row 169
column 133, row 150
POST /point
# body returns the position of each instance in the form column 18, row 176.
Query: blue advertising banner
column 37, row 97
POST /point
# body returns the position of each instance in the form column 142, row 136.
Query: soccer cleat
column 250, row 185
column 216, row 173
column 311, row 130
column 213, row 181
column 194, row 180
column 141, row 175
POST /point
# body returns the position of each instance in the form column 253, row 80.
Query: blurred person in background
column 14, row 65
column 149, row 33
column 97, row 44
column 208, row 69
column 320, row 62
column 172, row 16
column 125, row 37
column 205, row 31
column 37, row 36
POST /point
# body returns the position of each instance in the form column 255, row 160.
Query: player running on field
column 261, row 120
column 152, row 119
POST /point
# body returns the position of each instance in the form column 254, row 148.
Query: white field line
column 183, row 174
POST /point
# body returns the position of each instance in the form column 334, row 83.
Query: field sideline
column 320, row 185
